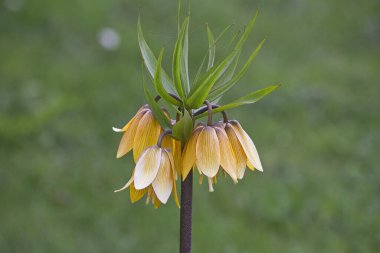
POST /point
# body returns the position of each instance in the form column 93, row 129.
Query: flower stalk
column 186, row 214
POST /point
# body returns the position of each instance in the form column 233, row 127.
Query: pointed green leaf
column 185, row 61
column 197, row 76
column 211, row 48
column 150, row 60
column 178, row 50
column 158, row 83
column 156, row 109
column 247, row 31
column 178, row 14
column 228, row 85
column 183, row 128
column 227, row 76
column 200, row 91
column 245, row 100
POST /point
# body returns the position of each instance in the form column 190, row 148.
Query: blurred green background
column 69, row 70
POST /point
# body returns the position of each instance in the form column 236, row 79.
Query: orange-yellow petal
column 147, row 167
column 241, row 158
column 147, row 134
column 174, row 177
column 189, row 153
column 250, row 166
column 156, row 201
column 135, row 194
column 248, row 146
column 208, row 152
column 227, row 156
column 127, row 140
column 168, row 142
column 177, row 154
column 163, row 183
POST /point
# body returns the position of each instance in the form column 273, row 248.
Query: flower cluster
column 165, row 149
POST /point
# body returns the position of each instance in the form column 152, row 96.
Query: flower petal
column 147, row 134
column 227, row 156
column 156, row 201
column 135, row 194
column 130, row 181
column 174, row 177
column 250, row 166
column 241, row 158
column 189, row 153
column 207, row 152
column 147, row 167
column 248, row 145
column 163, row 183
column 129, row 130
column 177, row 154
column 168, row 142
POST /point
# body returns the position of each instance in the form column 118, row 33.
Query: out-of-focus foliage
column 69, row 70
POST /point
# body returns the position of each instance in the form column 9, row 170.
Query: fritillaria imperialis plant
column 166, row 149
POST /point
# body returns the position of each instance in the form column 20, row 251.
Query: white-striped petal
column 207, row 152
column 227, row 156
column 248, row 146
column 241, row 158
column 147, row 167
column 163, row 183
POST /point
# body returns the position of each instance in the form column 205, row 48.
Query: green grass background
column 318, row 136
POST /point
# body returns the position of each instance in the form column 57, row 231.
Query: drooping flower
column 244, row 149
column 140, row 132
column 154, row 174
column 209, row 148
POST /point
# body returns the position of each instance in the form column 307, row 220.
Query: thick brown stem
column 186, row 214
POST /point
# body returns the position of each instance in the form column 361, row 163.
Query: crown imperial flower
column 165, row 148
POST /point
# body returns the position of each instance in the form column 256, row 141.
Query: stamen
column 210, row 187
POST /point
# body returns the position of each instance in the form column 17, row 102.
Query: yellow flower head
column 140, row 132
column 154, row 174
column 244, row 149
column 208, row 148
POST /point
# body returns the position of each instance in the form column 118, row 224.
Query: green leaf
column 183, row 128
column 156, row 109
column 227, row 76
column 211, row 48
column 150, row 61
column 228, row 85
column 196, row 79
column 245, row 100
column 200, row 91
column 185, row 61
column 178, row 14
column 247, row 31
column 158, row 83
column 178, row 51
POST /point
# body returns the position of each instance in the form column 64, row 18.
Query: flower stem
column 186, row 214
